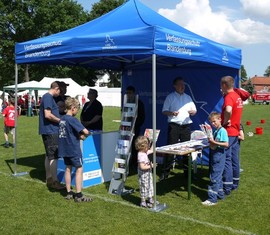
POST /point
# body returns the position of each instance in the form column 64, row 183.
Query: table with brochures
column 185, row 149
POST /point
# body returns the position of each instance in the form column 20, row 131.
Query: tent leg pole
column 156, row 207
column 16, row 121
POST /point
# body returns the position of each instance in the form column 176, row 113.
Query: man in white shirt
column 178, row 107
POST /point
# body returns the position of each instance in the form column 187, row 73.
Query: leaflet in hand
column 149, row 134
column 207, row 130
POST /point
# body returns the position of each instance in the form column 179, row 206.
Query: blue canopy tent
column 143, row 45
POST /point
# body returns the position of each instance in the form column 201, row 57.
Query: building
column 261, row 84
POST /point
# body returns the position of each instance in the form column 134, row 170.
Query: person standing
column 49, row 119
column 91, row 115
column 131, row 98
column 231, row 118
column 70, row 133
column 217, row 160
column 60, row 100
column 145, row 167
column 178, row 107
column 9, row 122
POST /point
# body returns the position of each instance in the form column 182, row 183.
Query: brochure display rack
column 123, row 147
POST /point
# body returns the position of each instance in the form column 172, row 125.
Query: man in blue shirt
column 49, row 119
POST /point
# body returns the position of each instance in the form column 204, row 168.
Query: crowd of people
column 61, row 134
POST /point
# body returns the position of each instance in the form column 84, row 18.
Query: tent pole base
column 20, row 174
column 159, row 207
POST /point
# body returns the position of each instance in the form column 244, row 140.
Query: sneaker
column 151, row 201
column 143, row 204
column 208, row 203
column 6, row 145
column 70, row 195
column 146, row 204
column 82, row 199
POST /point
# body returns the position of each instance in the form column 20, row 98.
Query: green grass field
column 28, row 207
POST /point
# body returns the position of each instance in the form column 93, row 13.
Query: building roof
column 260, row 83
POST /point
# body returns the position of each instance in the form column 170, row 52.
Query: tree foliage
column 243, row 74
column 23, row 20
column 267, row 72
column 104, row 6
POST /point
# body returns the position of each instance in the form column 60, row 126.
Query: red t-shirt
column 9, row 114
column 233, row 99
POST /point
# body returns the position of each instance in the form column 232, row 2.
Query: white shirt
column 181, row 103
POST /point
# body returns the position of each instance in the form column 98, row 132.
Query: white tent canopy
column 31, row 85
column 73, row 90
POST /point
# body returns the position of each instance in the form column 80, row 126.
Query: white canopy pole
column 16, row 121
column 157, row 207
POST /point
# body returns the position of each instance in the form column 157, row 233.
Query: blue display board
column 92, row 175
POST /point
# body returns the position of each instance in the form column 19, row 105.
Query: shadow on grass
column 38, row 170
column 177, row 184
column 35, row 162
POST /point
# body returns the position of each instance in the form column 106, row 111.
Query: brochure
column 149, row 134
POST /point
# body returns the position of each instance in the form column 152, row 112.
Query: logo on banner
column 109, row 42
column 225, row 58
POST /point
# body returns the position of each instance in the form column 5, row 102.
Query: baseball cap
column 63, row 84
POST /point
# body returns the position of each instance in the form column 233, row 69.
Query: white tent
column 31, row 85
column 73, row 90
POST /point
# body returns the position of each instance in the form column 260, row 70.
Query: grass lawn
column 28, row 207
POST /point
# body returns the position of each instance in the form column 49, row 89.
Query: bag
column 244, row 95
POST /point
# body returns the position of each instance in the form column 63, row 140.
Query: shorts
column 51, row 146
column 73, row 161
column 9, row 129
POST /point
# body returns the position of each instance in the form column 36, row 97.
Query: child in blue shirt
column 71, row 131
column 217, row 156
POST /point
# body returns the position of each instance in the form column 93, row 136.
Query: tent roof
column 126, row 38
column 31, row 85
column 73, row 89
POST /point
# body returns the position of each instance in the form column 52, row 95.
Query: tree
column 267, row 72
column 23, row 20
column 104, row 6
column 243, row 74
column 248, row 86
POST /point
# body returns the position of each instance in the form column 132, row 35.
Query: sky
column 243, row 24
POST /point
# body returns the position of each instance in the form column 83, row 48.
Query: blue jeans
column 215, row 188
column 231, row 165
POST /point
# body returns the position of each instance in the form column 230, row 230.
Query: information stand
column 123, row 148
